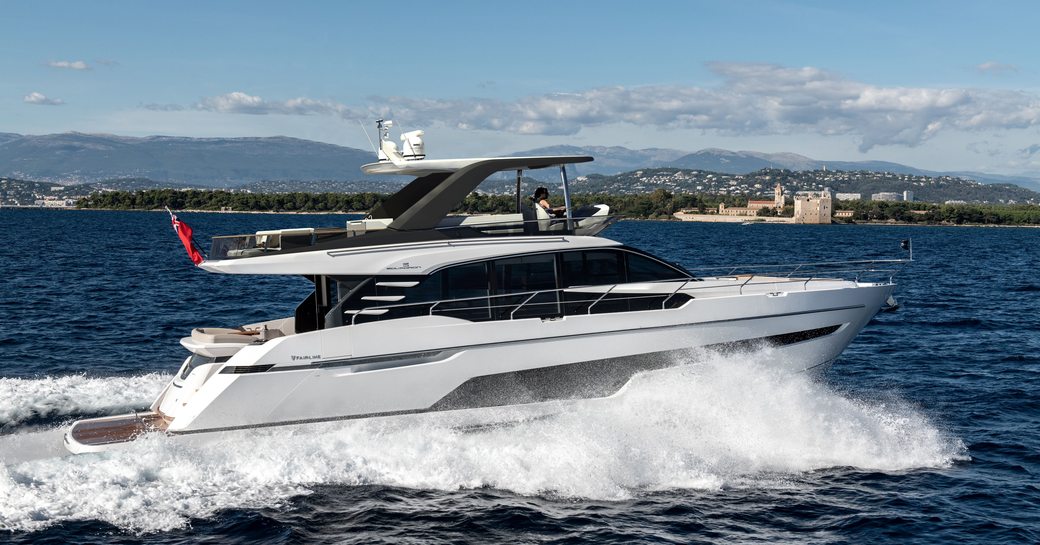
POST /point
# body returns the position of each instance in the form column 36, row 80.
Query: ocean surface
column 926, row 430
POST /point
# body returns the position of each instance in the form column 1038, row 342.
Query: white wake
column 721, row 423
column 23, row 400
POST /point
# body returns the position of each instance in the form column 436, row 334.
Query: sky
column 937, row 85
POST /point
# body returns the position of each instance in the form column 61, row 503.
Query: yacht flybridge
column 415, row 310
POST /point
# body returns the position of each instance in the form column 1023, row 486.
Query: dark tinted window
column 428, row 289
column 465, row 282
column 524, row 275
column 644, row 269
column 592, row 268
column 528, row 273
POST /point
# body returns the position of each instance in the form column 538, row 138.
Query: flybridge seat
column 360, row 227
column 543, row 217
column 274, row 237
column 274, row 240
column 548, row 222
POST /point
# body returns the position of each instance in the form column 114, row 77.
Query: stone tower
column 778, row 197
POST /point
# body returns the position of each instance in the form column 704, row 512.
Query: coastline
column 180, row 210
column 864, row 223
column 357, row 212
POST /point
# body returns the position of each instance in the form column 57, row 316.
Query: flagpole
column 194, row 243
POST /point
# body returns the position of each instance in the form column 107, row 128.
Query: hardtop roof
column 443, row 183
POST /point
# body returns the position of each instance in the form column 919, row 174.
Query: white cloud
column 41, row 99
column 994, row 67
column 69, row 65
column 751, row 100
column 241, row 103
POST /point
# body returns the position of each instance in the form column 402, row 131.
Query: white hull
column 437, row 363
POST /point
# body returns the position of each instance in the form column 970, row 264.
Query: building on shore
column 825, row 192
column 736, row 210
column 754, row 206
column 848, row 196
column 887, row 196
column 55, row 202
column 908, row 196
column 844, row 214
column 813, row 207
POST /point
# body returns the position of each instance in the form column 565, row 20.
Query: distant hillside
column 741, row 162
column 609, row 159
column 925, row 188
column 682, row 183
column 292, row 164
column 615, row 160
column 207, row 162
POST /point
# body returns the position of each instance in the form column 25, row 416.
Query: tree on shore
column 660, row 204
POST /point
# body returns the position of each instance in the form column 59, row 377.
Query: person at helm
column 541, row 198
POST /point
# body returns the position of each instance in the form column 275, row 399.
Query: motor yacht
column 414, row 310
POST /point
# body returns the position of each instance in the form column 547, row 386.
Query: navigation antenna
column 370, row 142
column 387, row 150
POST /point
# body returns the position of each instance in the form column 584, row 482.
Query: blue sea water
column 926, row 430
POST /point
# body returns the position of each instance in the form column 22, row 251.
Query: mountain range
column 68, row 158
column 208, row 162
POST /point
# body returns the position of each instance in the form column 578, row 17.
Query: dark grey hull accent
column 584, row 380
column 783, row 339
column 589, row 379
column 581, row 380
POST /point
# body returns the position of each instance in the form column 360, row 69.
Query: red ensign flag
column 184, row 233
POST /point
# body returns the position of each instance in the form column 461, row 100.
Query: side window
column 644, row 269
column 396, row 292
column 522, row 276
column 428, row 289
column 592, row 268
column 469, row 282
column 310, row 314
column 525, row 274
column 464, row 281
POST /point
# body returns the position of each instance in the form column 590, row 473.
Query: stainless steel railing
column 874, row 271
